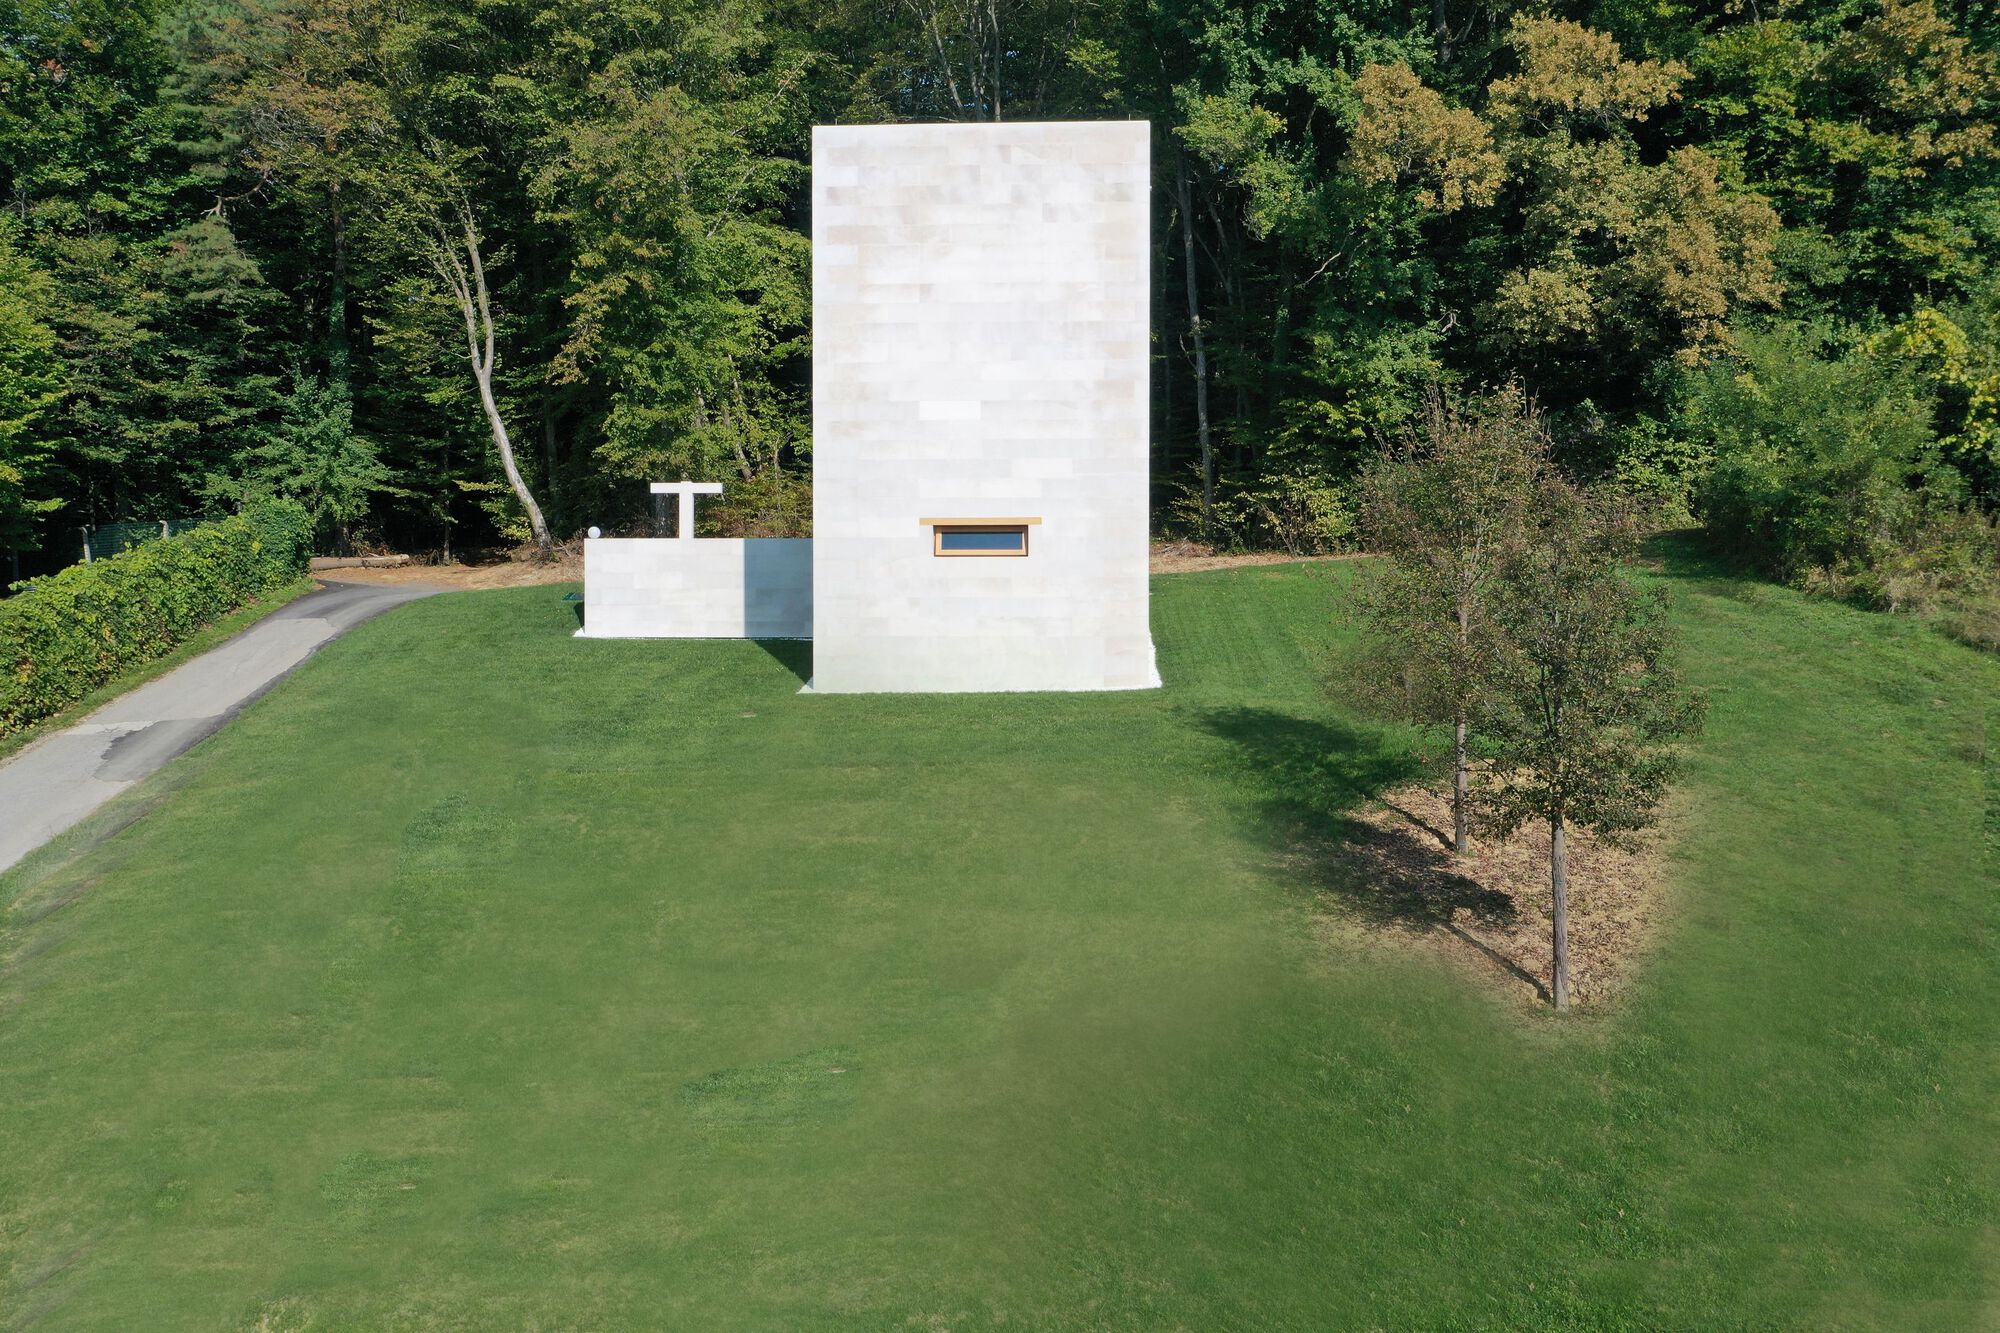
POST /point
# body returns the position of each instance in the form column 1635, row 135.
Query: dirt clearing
column 1489, row 912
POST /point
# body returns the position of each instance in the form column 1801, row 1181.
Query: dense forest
column 363, row 253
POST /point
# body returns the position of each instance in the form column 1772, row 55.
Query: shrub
column 1296, row 514
column 1974, row 621
column 1658, row 470
column 65, row 635
column 1938, row 553
column 1301, row 515
column 1819, row 461
column 771, row 504
column 1827, row 473
column 284, row 533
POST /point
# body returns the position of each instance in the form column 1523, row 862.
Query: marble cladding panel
column 980, row 351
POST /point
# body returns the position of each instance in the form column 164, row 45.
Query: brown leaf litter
column 1489, row 912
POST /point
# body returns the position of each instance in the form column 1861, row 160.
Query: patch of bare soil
column 1489, row 913
column 1186, row 557
column 515, row 570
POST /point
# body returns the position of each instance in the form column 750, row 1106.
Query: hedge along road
column 55, row 782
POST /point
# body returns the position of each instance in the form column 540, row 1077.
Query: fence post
column 86, row 543
column 164, row 534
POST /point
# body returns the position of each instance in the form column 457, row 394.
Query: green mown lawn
column 483, row 977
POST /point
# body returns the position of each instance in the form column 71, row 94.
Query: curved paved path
column 55, row 782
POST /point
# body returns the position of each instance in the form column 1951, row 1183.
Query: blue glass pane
column 982, row 541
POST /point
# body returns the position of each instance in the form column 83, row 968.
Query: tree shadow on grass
column 1693, row 559
column 1311, row 768
column 1312, row 775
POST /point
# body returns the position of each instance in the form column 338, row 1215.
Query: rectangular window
column 979, row 539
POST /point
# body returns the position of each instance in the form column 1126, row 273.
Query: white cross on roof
column 687, row 490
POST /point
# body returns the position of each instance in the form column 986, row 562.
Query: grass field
column 482, row 977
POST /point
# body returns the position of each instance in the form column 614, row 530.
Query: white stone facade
column 980, row 356
column 980, row 352
column 706, row 588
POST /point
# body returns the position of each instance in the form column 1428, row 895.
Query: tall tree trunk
column 1229, row 266
column 547, row 337
column 945, row 65
column 999, row 52
column 444, row 510
column 1461, row 793
column 466, row 277
column 1281, row 333
column 551, row 461
column 1164, row 385
column 1559, row 888
column 502, row 442
column 1200, row 355
column 339, row 353
column 1461, row 775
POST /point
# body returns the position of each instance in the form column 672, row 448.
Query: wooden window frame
column 938, row 531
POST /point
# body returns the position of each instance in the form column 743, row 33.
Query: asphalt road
column 55, row 782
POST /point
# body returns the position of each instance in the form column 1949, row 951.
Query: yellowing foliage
column 1941, row 354
column 1921, row 71
column 1407, row 131
column 1699, row 251
column 1571, row 73
column 1641, row 255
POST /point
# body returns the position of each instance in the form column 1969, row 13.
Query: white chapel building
column 980, row 411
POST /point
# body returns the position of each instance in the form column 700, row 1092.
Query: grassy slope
column 484, row 976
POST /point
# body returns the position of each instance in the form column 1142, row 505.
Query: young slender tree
column 1585, row 704
column 1441, row 504
column 453, row 249
column 1200, row 349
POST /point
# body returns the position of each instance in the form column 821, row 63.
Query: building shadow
column 777, row 582
column 1312, row 775
column 794, row 655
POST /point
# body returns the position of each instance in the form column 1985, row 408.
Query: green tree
column 454, row 248
column 1444, row 507
column 1586, row 706
column 688, row 301
column 211, row 363
column 168, row 357
column 1958, row 363
column 1872, row 131
column 314, row 457
column 1611, row 261
column 93, row 169
column 29, row 387
column 300, row 94
column 1350, row 204
column 1816, row 445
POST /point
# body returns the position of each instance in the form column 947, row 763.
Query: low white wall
column 703, row 588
